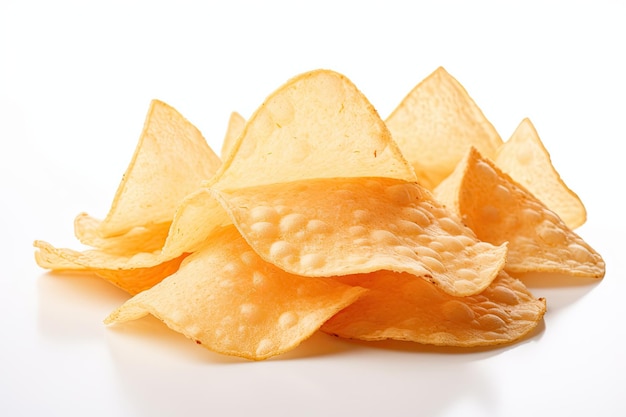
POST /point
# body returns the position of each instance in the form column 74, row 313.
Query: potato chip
column 136, row 280
column 316, row 220
column 171, row 160
column 500, row 210
column 352, row 139
column 525, row 158
column 196, row 217
column 236, row 123
column 341, row 226
column 138, row 239
column 400, row 307
column 226, row 298
column 436, row 123
column 317, row 125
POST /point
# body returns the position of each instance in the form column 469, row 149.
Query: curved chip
column 171, row 160
column 436, row 123
column 226, row 298
column 317, row 125
column 343, row 226
column 138, row 239
column 525, row 158
column 500, row 210
column 198, row 215
column 400, row 307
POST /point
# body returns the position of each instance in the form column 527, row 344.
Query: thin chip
column 226, row 298
column 500, row 210
column 317, row 125
column 171, row 160
column 436, row 123
column 400, row 307
column 138, row 239
column 328, row 128
column 195, row 219
column 525, row 158
column 341, row 226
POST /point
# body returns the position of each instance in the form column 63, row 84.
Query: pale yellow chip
column 171, row 160
column 236, row 123
column 436, row 123
column 197, row 216
column 400, row 307
column 149, row 238
column 500, row 210
column 525, row 158
column 341, row 226
column 226, row 298
column 328, row 128
column 317, row 125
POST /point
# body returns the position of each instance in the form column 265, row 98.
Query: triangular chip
column 400, row 307
column 500, row 210
column 226, row 298
column 341, row 226
column 323, row 115
column 171, row 160
column 236, row 123
column 436, row 123
column 317, row 125
column 525, row 158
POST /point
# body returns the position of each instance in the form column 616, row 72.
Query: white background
column 76, row 79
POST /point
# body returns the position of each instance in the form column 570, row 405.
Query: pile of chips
column 321, row 216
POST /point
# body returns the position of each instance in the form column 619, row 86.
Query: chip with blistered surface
column 500, row 210
column 226, row 298
column 341, row 226
column 400, row 307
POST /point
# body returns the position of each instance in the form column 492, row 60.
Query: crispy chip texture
column 198, row 215
column 436, row 123
column 317, row 125
column 500, row 210
column 138, row 239
column 525, row 158
column 317, row 221
column 398, row 306
column 226, row 298
column 343, row 226
column 171, row 160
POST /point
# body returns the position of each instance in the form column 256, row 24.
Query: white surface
column 75, row 83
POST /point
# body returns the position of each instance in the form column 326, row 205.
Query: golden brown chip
column 400, row 307
column 236, row 123
column 525, row 159
column 436, row 123
column 341, row 226
column 500, row 210
column 317, row 125
column 226, row 298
